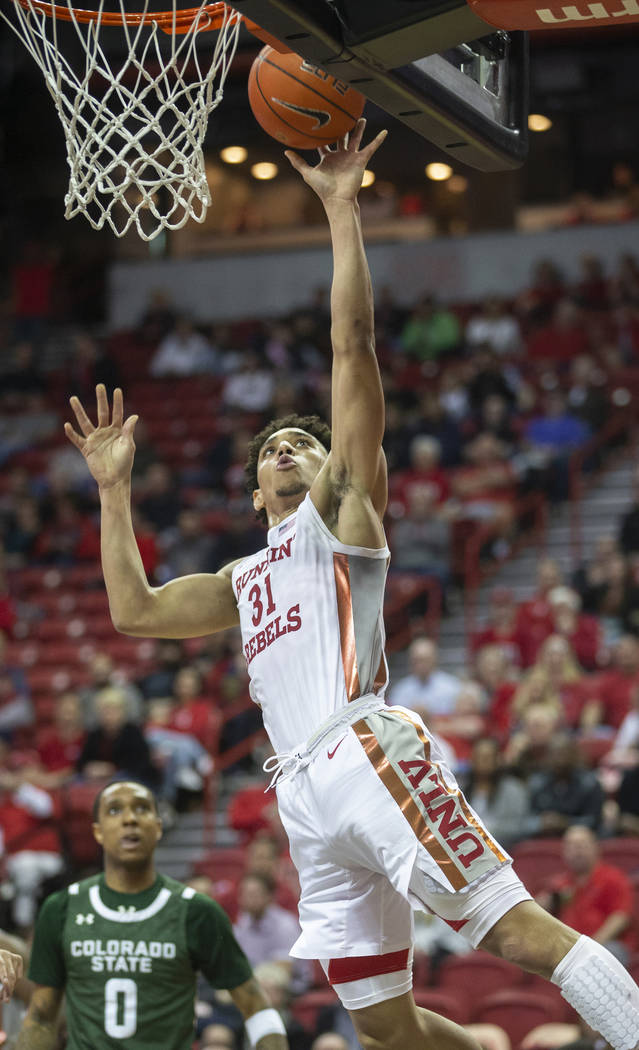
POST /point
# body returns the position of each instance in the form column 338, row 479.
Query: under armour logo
column 126, row 908
column 84, row 920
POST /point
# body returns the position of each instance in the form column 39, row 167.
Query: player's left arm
column 263, row 1024
column 356, row 461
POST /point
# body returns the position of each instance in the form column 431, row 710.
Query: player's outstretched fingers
column 354, row 139
column 73, row 437
column 103, row 405
column 296, row 161
column 373, row 146
column 11, row 970
column 85, row 424
column 118, row 408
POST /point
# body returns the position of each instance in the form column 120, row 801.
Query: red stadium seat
column 622, row 852
column 479, row 975
column 444, row 1003
column 307, row 1007
column 517, row 1012
column 548, row 990
column 537, row 860
column 76, row 824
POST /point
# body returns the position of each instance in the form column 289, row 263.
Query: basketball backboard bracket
column 433, row 64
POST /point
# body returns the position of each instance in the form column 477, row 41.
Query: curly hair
column 312, row 425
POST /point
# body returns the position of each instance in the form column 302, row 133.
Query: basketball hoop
column 134, row 125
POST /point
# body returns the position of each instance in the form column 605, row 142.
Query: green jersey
column 128, row 962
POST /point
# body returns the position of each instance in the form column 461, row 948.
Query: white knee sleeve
column 601, row 991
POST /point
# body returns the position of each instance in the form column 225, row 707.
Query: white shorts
column 378, row 826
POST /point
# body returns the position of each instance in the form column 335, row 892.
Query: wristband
column 264, row 1022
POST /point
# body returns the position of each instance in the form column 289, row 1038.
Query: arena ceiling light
column 234, row 154
column 368, row 178
column 539, row 122
column 438, row 172
column 457, row 184
column 264, row 170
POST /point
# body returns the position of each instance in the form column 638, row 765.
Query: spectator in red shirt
column 29, row 842
column 193, row 712
column 563, row 339
column 581, row 631
column 486, row 488
column 555, row 680
column 501, row 628
column 60, row 746
column 425, row 455
column 494, row 672
column 595, row 898
column 535, row 616
column 610, row 694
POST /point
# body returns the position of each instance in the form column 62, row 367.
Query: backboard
column 435, row 65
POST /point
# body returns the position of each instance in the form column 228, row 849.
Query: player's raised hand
column 339, row 173
column 11, row 968
column 109, row 447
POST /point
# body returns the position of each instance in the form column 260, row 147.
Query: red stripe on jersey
column 340, row 971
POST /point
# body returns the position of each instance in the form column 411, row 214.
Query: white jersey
column 312, row 625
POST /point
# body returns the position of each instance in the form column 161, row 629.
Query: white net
column 135, row 114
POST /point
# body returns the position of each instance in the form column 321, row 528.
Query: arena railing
column 587, row 464
column 531, row 512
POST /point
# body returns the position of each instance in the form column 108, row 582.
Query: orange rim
column 170, row 22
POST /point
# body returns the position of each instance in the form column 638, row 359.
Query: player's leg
column 398, row 1023
column 591, row 979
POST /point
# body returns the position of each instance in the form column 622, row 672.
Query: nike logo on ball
column 331, row 753
column 320, row 116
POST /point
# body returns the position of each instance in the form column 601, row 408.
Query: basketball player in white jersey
column 375, row 820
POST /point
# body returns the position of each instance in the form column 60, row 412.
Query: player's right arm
column 186, row 607
column 40, row 1027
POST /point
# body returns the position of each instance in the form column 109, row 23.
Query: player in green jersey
column 125, row 948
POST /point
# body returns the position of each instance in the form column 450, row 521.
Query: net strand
column 134, row 134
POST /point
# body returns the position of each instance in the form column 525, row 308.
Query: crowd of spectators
column 486, row 404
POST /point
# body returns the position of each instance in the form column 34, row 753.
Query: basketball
column 299, row 104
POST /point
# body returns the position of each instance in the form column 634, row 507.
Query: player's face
column 287, row 466
column 128, row 827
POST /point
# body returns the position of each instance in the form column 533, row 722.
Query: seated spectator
column 582, row 632
column 610, row 691
column 433, row 419
column 430, row 331
column 160, row 500
column 103, row 675
column 193, row 712
column 537, row 303
column 563, row 794
column 60, row 746
column 626, row 803
column 502, row 628
column 592, row 577
column 426, row 689
column 22, row 532
column 218, row 1037
column 554, row 435
column 501, row 800
column 487, row 378
column 182, row 761
column 116, row 747
column 496, row 326
column 494, row 416
column 265, row 931
column 534, row 616
column 624, row 750
column 89, row 365
column 157, row 320
column 275, row 979
column 69, row 535
column 29, row 842
column 168, row 657
column 563, row 339
column 485, row 489
column 420, row 541
column 592, row 897
column 586, row 396
column 250, row 811
column 465, row 723
column 629, row 524
column 526, row 751
column 250, row 388
column 264, row 855
column 189, row 548
column 495, row 674
column 183, row 352
column 555, row 680
column 16, row 709
column 424, row 469
column 24, row 378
